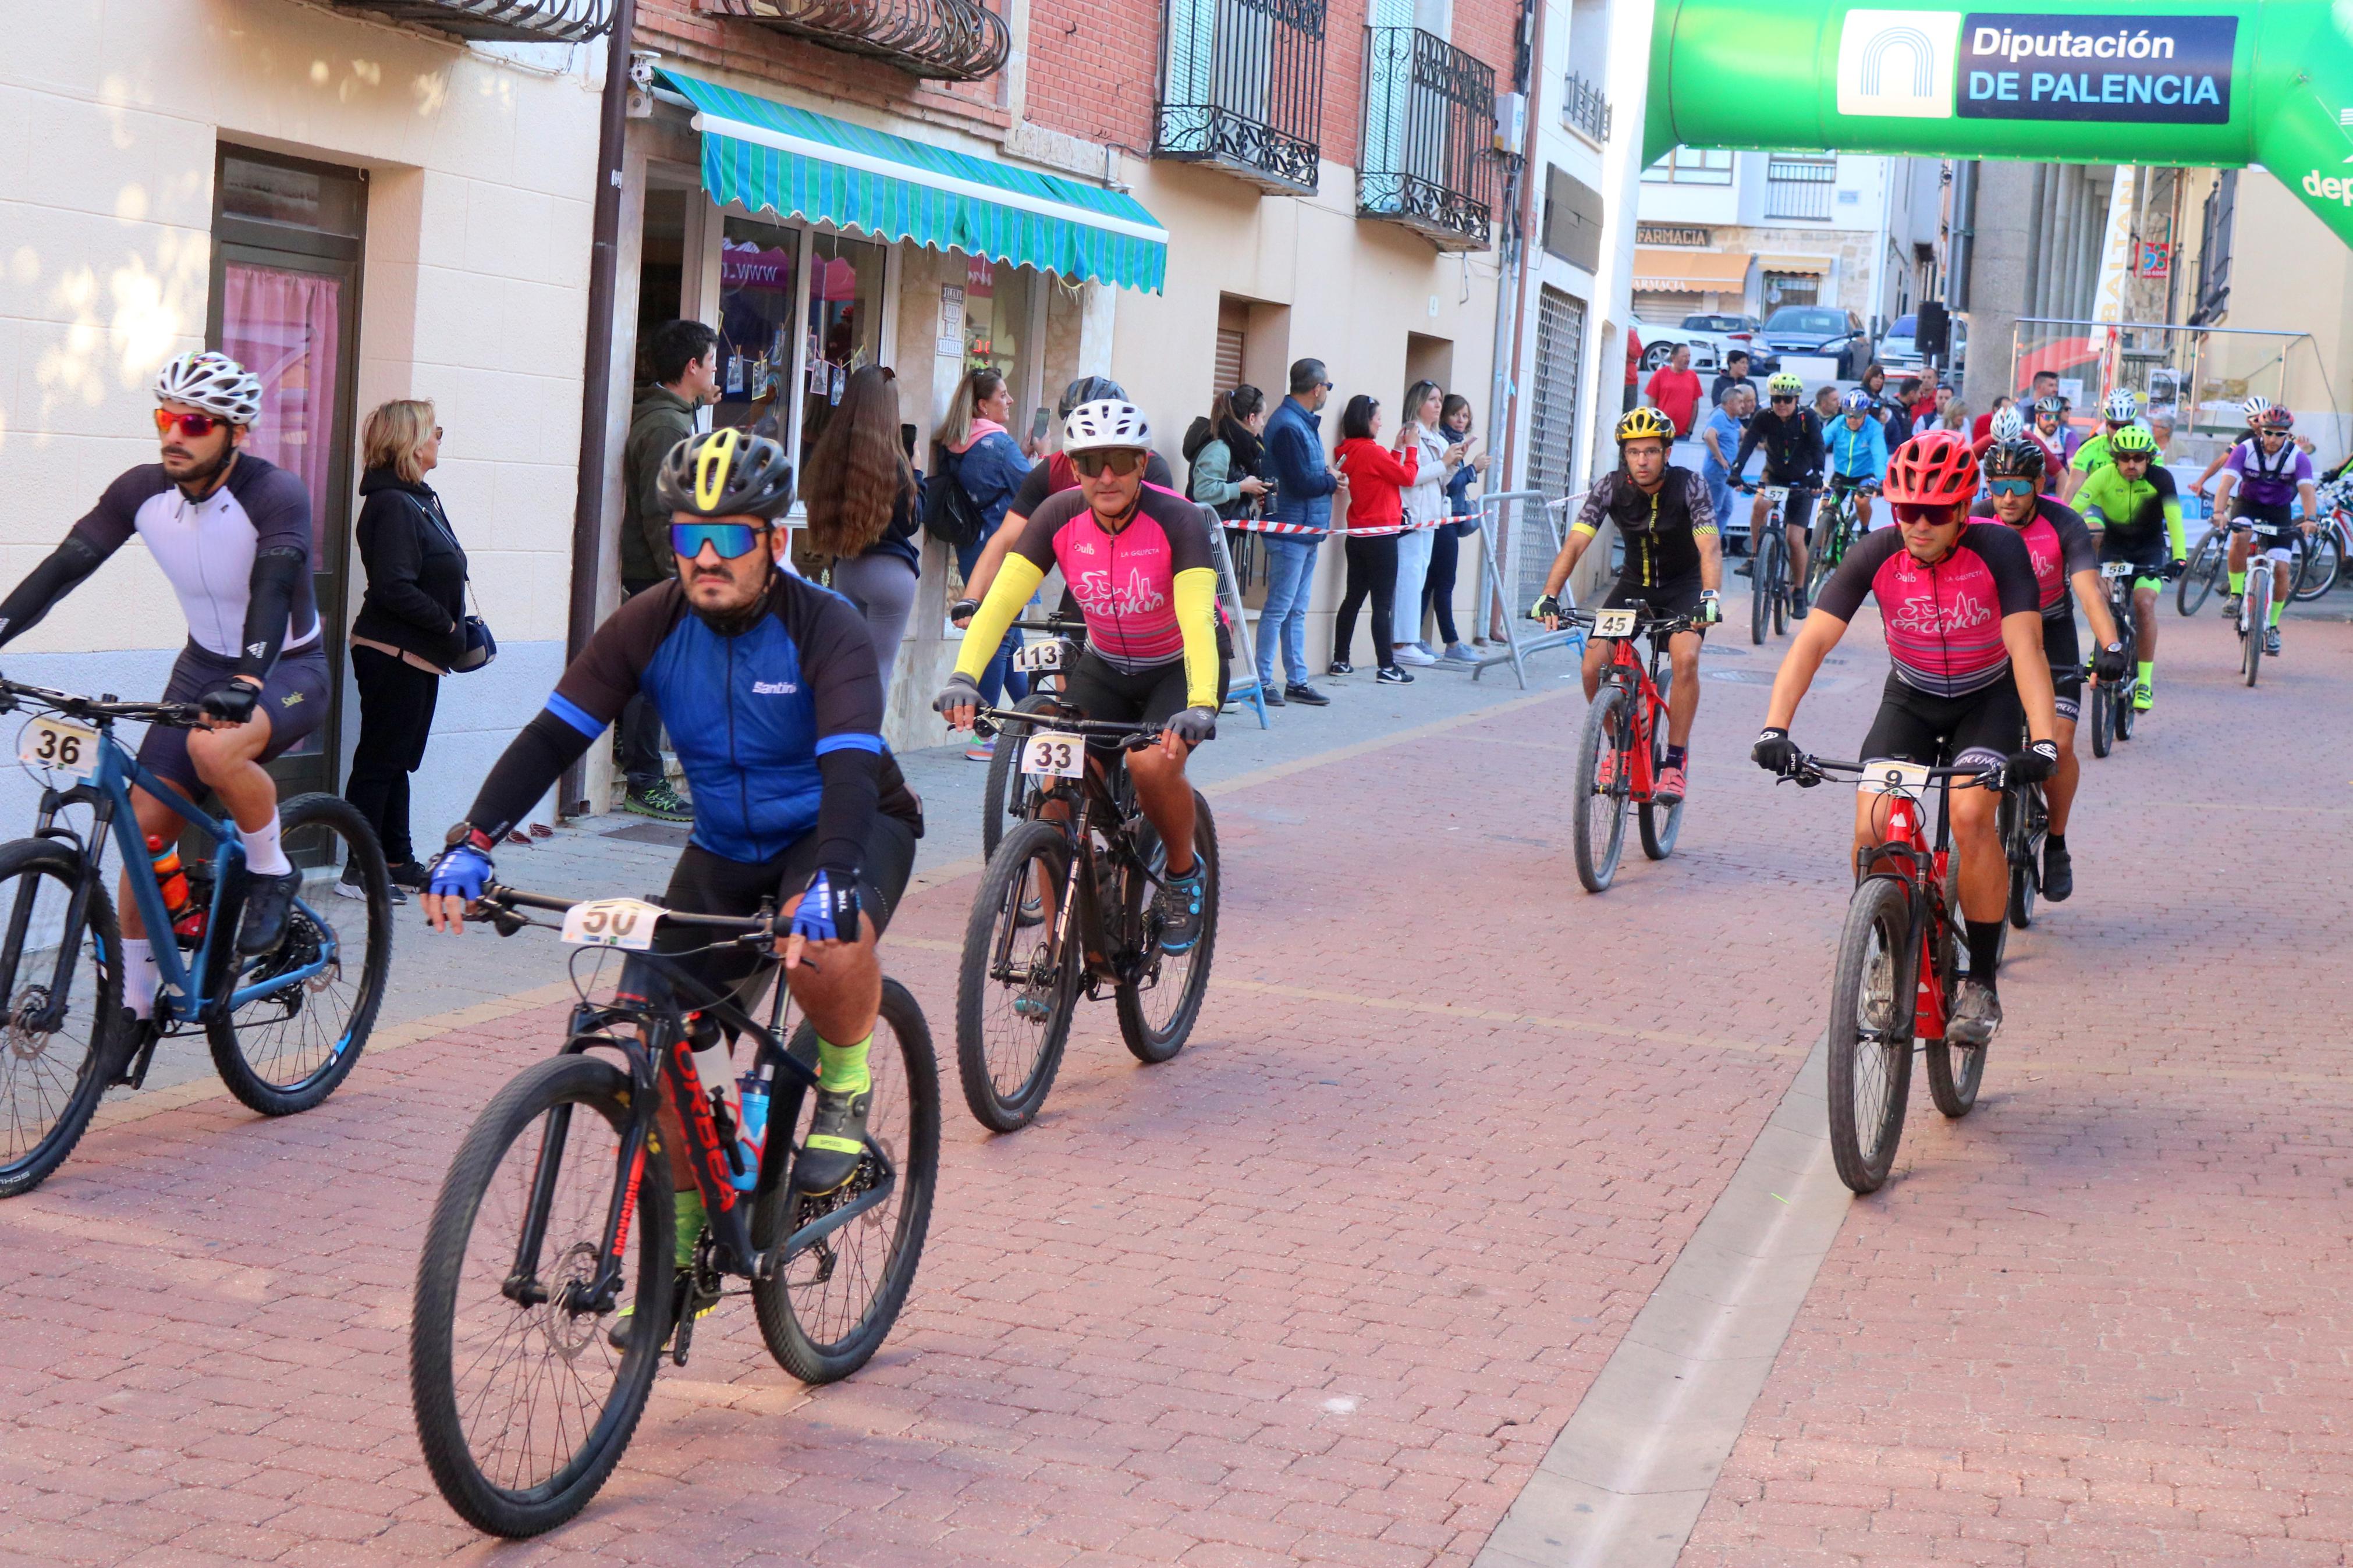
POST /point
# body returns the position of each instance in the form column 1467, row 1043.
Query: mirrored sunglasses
column 1919, row 511
column 2010, row 486
column 732, row 540
column 1121, row 462
column 196, row 426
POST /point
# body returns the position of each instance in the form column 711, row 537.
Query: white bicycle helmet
column 2255, row 407
column 2007, row 426
column 1106, row 423
column 213, row 382
column 2121, row 407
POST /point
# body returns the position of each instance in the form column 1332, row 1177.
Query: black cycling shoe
column 269, row 906
column 1976, row 1014
column 2058, row 871
column 836, row 1141
column 1178, row 905
column 1796, row 604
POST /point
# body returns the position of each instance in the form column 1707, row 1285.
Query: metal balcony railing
column 1583, row 108
column 498, row 21
column 1430, row 125
column 940, row 40
column 1241, row 88
column 1800, row 188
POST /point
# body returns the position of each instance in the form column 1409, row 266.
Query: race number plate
column 1776, row 494
column 1039, row 655
column 1051, row 754
column 1613, row 623
column 2268, row 530
column 2118, row 568
column 60, row 747
column 612, row 922
column 1894, row 778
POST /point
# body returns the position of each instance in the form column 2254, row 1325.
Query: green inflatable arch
column 2210, row 86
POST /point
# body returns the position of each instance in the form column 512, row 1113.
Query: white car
column 1659, row 342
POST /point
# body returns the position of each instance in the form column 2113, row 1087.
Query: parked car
column 1822, row 331
column 1732, row 332
column 1896, row 352
column 1659, row 342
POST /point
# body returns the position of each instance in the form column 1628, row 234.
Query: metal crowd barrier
column 1518, row 555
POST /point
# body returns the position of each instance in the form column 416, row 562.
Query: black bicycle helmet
column 1089, row 389
column 2019, row 459
column 727, row 472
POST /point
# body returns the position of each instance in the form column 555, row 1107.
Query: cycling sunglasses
column 733, row 541
column 1092, row 464
column 1922, row 511
column 2121, row 458
column 2010, row 486
column 196, row 426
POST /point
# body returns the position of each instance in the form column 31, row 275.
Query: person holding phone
column 1436, row 457
column 1446, row 539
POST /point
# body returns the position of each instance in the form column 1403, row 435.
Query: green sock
column 687, row 1207
column 841, row 1070
column 2277, row 606
column 2238, row 583
column 2148, row 673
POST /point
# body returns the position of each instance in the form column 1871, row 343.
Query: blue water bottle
column 751, row 1129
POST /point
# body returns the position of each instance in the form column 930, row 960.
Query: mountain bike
column 1900, row 962
column 1045, row 663
column 284, row 1028
column 1838, row 524
column 2113, row 714
column 555, row 1223
column 1769, row 560
column 1066, row 903
column 2256, row 603
column 1625, row 745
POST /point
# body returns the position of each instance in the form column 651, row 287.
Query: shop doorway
column 286, row 240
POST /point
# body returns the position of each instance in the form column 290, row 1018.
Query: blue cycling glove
column 828, row 911
column 461, row 871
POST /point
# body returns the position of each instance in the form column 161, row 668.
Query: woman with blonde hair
column 410, row 629
column 860, row 494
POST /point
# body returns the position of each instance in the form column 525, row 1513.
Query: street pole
column 596, row 370
column 1511, row 298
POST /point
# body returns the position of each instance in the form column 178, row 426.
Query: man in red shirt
column 1675, row 391
column 1633, row 365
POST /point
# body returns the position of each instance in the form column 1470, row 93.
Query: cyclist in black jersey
column 1792, row 439
column 1674, row 563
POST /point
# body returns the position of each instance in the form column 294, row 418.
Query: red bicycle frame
column 1627, row 672
column 1906, row 854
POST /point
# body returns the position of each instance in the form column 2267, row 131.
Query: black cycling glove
column 1775, row 751
column 1547, row 605
column 1193, row 725
column 2032, row 766
column 2110, row 663
column 231, row 701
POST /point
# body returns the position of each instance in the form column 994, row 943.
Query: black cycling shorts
column 2150, row 553
column 2067, row 655
column 703, row 883
column 1100, row 689
column 295, row 697
column 1915, row 726
column 1679, row 597
column 2278, row 511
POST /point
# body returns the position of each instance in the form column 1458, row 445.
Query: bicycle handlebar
column 497, row 896
column 1812, row 770
column 1137, row 734
column 188, row 715
column 1643, row 621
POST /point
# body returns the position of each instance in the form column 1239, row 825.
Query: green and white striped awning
column 798, row 163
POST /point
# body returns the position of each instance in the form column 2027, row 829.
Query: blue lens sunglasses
column 732, row 540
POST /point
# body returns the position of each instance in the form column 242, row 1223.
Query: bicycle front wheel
column 1018, row 983
column 2256, row 614
column 286, row 1050
column 1158, row 1008
column 2018, row 842
column 1001, row 792
column 59, row 1042
column 523, row 1405
column 1764, row 581
column 2203, row 571
column 1870, row 1034
column 1603, row 763
column 828, row 1307
column 2102, row 718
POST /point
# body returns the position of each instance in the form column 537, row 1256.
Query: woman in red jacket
column 1376, row 476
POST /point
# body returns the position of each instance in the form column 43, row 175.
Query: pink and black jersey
column 1943, row 622
column 1124, row 583
column 2061, row 546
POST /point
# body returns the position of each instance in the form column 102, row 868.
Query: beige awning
column 1814, row 264
column 1659, row 269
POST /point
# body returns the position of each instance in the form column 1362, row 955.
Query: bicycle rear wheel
column 1018, row 985
column 56, row 1053
column 2104, row 719
column 2315, row 567
column 1600, row 812
column 1870, row 1033
column 1954, row 1071
column 286, row 1051
column 1001, row 792
column 1781, row 584
column 1157, row 1011
column 524, row 1406
column 1660, row 824
column 2203, row 571
column 829, row 1308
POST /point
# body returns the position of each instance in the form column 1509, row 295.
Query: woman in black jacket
column 410, row 625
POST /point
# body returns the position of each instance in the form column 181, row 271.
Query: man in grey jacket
column 683, row 357
column 1304, row 489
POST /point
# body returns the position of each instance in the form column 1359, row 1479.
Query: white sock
column 139, row 976
column 263, row 858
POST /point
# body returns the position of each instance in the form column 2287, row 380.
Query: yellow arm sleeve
column 1016, row 579
column 1196, row 600
column 2173, row 534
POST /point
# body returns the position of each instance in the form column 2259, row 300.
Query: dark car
column 1822, row 331
column 1732, row 330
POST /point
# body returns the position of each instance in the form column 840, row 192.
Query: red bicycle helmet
column 1935, row 468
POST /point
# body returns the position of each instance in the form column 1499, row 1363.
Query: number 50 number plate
column 60, row 747
column 1054, row 755
column 612, row 922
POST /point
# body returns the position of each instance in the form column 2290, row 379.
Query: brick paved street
column 1325, row 1288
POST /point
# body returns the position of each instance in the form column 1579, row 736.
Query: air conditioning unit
column 1511, row 120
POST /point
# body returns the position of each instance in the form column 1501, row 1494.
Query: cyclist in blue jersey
column 1857, row 448
column 768, row 686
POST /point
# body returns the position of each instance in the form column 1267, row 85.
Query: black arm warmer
column 533, row 760
column 66, row 568
column 845, row 811
column 269, row 601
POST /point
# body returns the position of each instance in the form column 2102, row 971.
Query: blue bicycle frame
column 195, row 987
